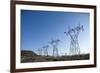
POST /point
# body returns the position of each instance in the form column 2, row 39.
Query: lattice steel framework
column 40, row 51
column 74, row 33
column 54, row 44
column 45, row 48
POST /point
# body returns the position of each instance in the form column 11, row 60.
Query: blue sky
column 40, row 27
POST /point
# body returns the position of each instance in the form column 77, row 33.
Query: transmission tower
column 45, row 48
column 54, row 44
column 40, row 51
column 74, row 45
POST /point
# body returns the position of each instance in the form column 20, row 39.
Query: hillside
column 27, row 55
column 30, row 56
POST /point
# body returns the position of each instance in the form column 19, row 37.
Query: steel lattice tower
column 54, row 44
column 74, row 45
column 40, row 51
column 45, row 50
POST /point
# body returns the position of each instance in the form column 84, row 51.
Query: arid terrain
column 30, row 56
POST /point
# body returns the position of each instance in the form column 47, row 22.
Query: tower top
column 75, row 29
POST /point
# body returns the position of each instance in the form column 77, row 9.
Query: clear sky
column 40, row 27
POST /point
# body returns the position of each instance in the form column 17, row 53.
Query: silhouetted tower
column 74, row 45
column 54, row 44
column 40, row 51
column 45, row 48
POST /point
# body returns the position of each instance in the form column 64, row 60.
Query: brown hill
column 28, row 53
column 27, row 56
